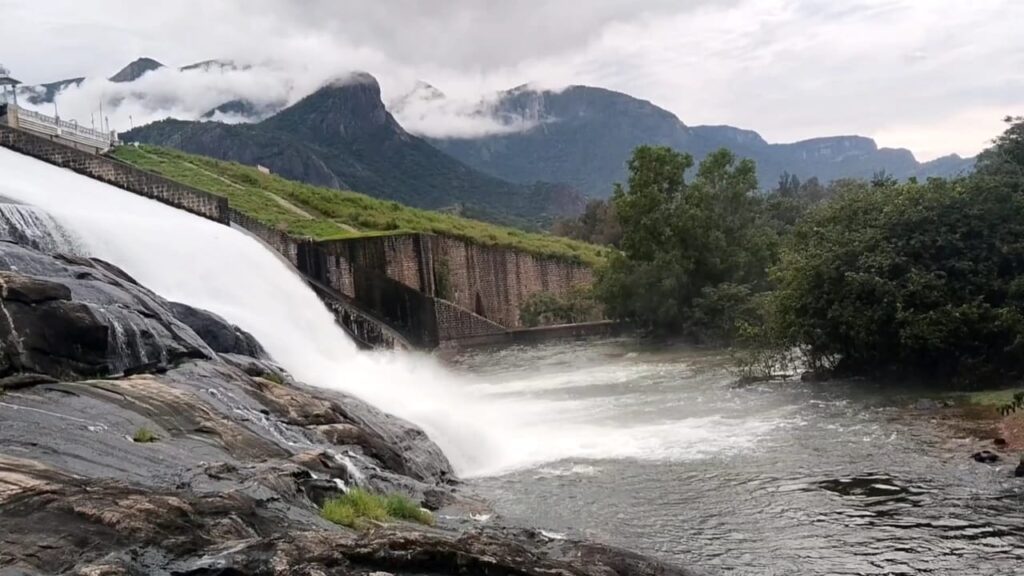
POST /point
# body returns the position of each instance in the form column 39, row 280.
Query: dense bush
column 921, row 280
column 546, row 309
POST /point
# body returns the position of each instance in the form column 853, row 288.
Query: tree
column 598, row 225
column 1003, row 163
column 687, row 248
column 915, row 280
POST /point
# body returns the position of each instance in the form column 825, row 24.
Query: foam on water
column 189, row 259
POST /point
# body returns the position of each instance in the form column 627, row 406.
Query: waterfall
column 480, row 425
column 189, row 259
column 33, row 227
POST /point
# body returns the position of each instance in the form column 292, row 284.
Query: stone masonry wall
column 489, row 281
column 117, row 174
column 495, row 282
column 281, row 242
column 456, row 323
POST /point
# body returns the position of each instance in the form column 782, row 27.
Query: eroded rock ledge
column 243, row 460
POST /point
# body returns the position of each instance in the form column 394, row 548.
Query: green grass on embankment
column 994, row 398
column 324, row 214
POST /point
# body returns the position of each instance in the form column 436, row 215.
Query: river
column 778, row 478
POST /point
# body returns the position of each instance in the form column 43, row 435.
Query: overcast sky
column 935, row 76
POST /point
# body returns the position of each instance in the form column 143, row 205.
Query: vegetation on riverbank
column 916, row 280
column 320, row 213
column 357, row 507
column 546, row 309
column 144, row 436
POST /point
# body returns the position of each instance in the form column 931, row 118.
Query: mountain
column 216, row 64
column 136, row 69
column 584, row 136
column 242, row 109
column 343, row 137
column 46, row 93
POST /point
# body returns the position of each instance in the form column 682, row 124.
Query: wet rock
column 71, row 318
column 19, row 288
column 928, row 404
column 999, row 442
column 1019, row 471
column 218, row 333
column 56, row 523
column 985, row 457
column 243, row 463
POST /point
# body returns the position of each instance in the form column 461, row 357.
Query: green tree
column 687, row 248
column 597, row 225
column 1003, row 163
column 916, row 280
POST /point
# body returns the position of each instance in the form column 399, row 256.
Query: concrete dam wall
column 408, row 290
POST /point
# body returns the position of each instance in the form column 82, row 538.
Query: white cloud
column 912, row 73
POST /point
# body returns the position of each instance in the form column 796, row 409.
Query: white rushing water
column 483, row 429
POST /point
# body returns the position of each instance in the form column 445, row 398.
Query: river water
column 783, row 478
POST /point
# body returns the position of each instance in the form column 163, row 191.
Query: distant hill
column 45, row 93
column 581, row 136
column 342, row 137
column 136, row 69
column 584, row 136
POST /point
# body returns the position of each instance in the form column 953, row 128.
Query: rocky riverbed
column 243, row 455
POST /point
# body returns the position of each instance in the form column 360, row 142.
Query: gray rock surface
column 218, row 333
column 241, row 462
column 70, row 318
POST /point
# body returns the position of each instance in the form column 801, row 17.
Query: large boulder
column 71, row 318
column 219, row 334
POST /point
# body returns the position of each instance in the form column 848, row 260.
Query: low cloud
column 909, row 73
column 427, row 112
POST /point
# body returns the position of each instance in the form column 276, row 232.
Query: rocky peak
column 136, row 70
column 346, row 108
column 730, row 134
column 836, row 146
column 215, row 64
column 421, row 92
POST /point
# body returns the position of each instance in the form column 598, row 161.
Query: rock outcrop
column 218, row 333
column 242, row 459
column 72, row 318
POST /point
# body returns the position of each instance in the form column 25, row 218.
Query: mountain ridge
column 584, row 135
column 343, row 137
column 580, row 135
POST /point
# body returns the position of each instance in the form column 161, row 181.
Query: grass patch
column 324, row 214
column 403, row 508
column 273, row 377
column 358, row 506
column 144, row 436
column 993, row 398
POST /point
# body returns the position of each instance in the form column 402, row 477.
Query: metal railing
column 64, row 126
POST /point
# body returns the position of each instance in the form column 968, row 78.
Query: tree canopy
column 689, row 250
column 880, row 277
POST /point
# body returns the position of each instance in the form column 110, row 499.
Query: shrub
column 359, row 506
column 545, row 308
column 912, row 280
column 144, row 436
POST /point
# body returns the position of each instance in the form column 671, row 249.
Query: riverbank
column 655, row 448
